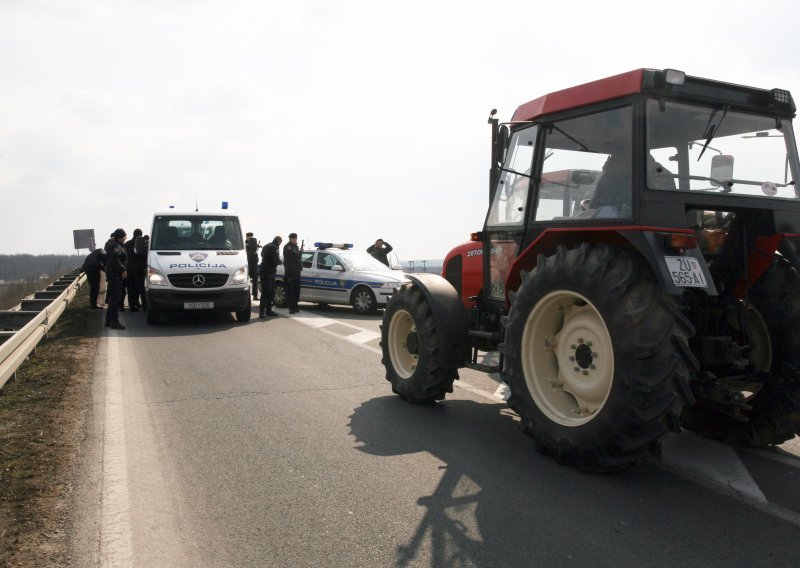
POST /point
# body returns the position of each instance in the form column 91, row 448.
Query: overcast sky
column 346, row 120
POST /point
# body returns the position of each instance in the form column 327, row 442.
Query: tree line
column 30, row 268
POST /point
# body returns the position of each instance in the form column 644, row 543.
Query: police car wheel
column 363, row 300
column 280, row 300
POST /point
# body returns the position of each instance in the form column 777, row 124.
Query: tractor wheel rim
column 401, row 326
column 567, row 358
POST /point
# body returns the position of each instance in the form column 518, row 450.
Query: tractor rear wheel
column 410, row 345
column 596, row 357
column 775, row 414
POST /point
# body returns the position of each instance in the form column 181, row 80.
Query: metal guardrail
column 24, row 326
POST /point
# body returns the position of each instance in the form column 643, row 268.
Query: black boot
column 262, row 313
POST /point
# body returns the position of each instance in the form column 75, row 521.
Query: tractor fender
column 648, row 242
column 449, row 315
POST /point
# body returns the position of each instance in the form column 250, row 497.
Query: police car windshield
column 196, row 233
column 362, row 261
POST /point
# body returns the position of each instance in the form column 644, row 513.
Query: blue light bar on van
column 323, row 246
column 224, row 204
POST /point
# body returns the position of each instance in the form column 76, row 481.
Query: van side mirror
column 139, row 245
column 721, row 170
column 337, row 268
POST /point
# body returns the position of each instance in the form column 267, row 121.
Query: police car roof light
column 323, row 246
column 224, row 204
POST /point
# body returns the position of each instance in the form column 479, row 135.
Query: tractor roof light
column 674, row 77
column 781, row 96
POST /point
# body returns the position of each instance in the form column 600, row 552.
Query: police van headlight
column 155, row 278
column 240, row 276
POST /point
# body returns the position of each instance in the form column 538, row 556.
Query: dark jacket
column 270, row 258
column 381, row 253
column 292, row 260
column 95, row 261
column 135, row 261
column 116, row 259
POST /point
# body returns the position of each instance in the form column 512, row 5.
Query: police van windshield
column 196, row 233
column 363, row 261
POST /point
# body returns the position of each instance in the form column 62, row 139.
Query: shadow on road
column 499, row 503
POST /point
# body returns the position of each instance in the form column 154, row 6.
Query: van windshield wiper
column 712, row 129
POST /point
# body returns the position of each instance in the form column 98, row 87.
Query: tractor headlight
column 240, row 276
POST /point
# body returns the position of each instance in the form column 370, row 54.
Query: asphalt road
column 279, row 443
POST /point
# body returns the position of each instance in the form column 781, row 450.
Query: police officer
column 270, row 259
column 251, row 246
column 136, row 265
column 116, row 272
column 94, row 264
column 380, row 251
column 293, row 265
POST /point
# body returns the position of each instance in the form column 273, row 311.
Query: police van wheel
column 153, row 316
column 363, row 301
column 244, row 315
column 281, row 300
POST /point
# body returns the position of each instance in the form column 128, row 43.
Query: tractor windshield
column 714, row 149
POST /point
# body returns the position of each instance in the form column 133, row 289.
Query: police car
column 336, row 274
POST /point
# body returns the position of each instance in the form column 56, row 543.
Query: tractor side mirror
column 721, row 169
column 502, row 144
column 583, row 177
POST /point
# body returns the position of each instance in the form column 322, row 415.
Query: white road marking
column 116, row 547
column 364, row 336
column 710, row 462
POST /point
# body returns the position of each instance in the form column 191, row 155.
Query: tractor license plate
column 686, row 272
column 198, row 305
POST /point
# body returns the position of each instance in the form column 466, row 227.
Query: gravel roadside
column 44, row 416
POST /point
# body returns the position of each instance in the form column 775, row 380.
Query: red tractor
column 637, row 271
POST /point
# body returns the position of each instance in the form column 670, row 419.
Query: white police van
column 197, row 262
column 336, row 274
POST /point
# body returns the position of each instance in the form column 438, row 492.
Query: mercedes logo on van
column 198, row 280
column 199, row 256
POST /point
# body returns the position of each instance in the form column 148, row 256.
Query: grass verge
column 43, row 414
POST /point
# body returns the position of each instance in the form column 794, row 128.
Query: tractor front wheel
column 411, row 345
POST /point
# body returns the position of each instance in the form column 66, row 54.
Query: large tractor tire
column 775, row 414
column 596, row 357
column 411, row 344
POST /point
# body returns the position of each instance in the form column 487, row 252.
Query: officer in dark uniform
column 292, row 262
column 94, row 264
column 270, row 259
column 251, row 246
column 135, row 266
column 380, row 251
column 116, row 272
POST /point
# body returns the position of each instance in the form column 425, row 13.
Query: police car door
column 308, row 290
column 330, row 281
